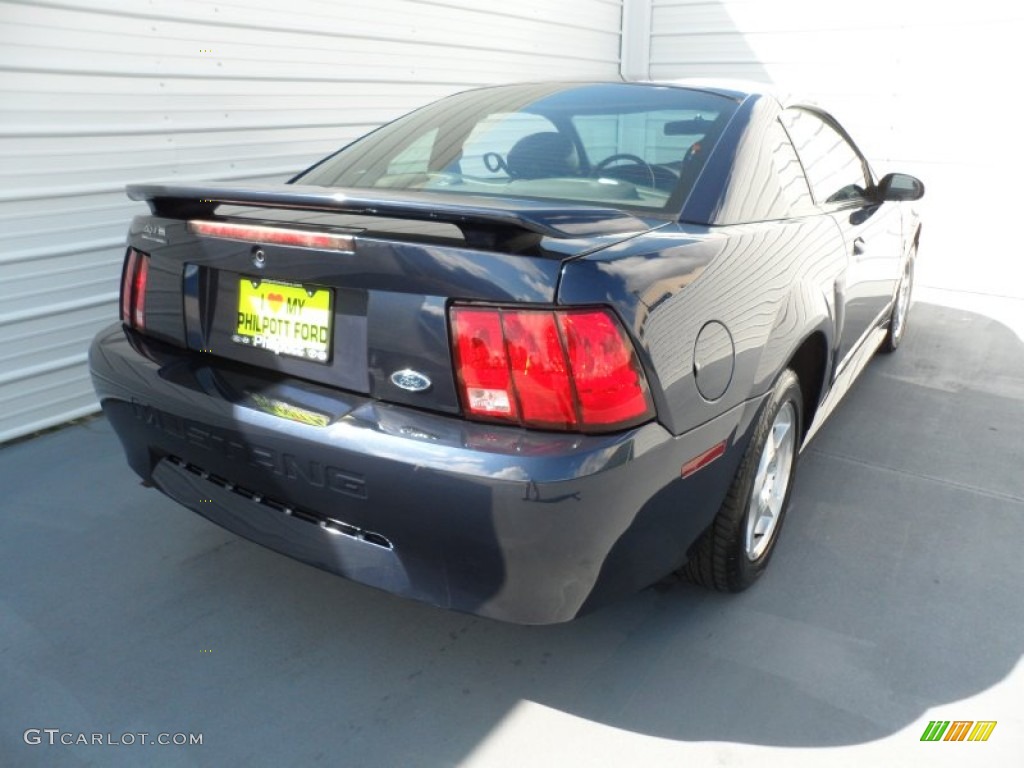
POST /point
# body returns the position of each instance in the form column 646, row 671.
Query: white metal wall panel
column 876, row 62
column 98, row 93
column 924, row 87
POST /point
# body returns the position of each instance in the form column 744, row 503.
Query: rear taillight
column 548, row 369
column 133, row 289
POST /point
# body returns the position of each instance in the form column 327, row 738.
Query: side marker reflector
column 702, row 460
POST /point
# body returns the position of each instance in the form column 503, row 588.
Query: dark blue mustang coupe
column 519, row 352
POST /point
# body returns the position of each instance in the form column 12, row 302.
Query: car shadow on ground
column 895, row 588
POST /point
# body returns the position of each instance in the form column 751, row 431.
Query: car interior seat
column 543, row 155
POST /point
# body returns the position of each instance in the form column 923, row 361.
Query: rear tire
column 733, row 552
column 900, row 309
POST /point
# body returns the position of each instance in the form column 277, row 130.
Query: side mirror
column 899, row 186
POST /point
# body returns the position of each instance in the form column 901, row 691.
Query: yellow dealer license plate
column 284, row 318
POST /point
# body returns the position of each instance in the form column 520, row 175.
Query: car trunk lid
column 347, row 288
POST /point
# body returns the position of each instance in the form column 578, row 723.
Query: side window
column 498, row 133
column 833, row 167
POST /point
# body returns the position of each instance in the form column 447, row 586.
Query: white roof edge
column 739, row 87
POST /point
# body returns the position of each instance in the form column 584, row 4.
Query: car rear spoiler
column 549, row 219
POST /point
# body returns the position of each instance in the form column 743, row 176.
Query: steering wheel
column 495, row 163
column 612, row 159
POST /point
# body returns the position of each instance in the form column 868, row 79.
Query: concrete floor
column 894, row 598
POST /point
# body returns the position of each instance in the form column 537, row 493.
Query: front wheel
column 900, row 309
column 733, row 552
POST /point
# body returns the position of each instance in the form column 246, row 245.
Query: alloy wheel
column 771, row 482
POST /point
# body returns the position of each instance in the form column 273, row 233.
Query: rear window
column 627, row 146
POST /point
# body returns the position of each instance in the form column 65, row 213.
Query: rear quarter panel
column 771, row 285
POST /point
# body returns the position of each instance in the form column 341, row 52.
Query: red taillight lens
column 482, row 364
column 548, row 369
column 139, row 292
column 609, row 383
column 133, row 289
column 127, row 278
column 539, row 369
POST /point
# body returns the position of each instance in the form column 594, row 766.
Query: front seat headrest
column 542, row 155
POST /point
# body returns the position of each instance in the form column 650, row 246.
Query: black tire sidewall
column 908, row 275
column 786, row 389
column 892, row 342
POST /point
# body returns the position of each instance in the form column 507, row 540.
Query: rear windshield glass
column 621, row 145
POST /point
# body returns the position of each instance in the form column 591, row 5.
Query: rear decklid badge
column 410, row 380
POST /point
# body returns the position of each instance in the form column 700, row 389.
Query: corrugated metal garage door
column 921, row 85
column 97, row 93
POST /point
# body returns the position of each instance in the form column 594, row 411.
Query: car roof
column 731, row 88
column 736, row 88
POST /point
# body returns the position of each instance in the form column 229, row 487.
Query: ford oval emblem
column 410, row 381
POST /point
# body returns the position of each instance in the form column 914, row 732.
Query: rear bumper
column 522, row 526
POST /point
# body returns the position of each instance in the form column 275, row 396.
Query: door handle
column 859, row 246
